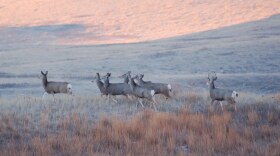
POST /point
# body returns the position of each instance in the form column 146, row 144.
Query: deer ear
column 42, row 73
column 109, row 74
column 46, row 72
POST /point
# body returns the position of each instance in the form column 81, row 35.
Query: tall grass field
column 185, row 125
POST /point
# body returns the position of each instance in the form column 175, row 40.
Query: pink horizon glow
column 126, row 21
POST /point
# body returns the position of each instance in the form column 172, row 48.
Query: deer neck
column 212, row 85
column 107, row 81
column 99, row 83
column 44, row 81
column 126, row 79
column 98, row 77
column 140, row 81
column 132, row 83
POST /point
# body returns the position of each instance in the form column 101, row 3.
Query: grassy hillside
column 106, row 21
column 245, row 56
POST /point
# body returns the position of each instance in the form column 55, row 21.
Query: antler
column 141, row 76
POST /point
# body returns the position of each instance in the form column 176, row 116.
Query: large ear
column 138, row 76
column 134, row 77
column 46, row 72
column 125, row 75
column 94, row 77
column 42, row 73
column 109, row 74
column 215, row 76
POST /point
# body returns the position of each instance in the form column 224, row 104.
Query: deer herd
column 138, row 88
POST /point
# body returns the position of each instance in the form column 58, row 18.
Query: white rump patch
column 69, row 88
column 169, row 87
column 234, row 94
column 153, row 92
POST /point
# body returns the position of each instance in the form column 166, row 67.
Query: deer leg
column 44, row 95
column 53, row 96
column 132, row 97
column 114, row 99
column 155, row 106
column 136, row 105
column 154, row 103
column 129, row 97
column 108, row 98
column 166, row 96
column 221, row 103
column 140, row 101
column 212, row 101
column 234, row 105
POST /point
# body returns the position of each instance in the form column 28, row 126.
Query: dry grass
column 184, row 125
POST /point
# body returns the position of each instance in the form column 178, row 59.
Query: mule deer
column 51, row 87
column 219, row 94
column 141, row 92
column 100, row 84
column 159, row 88
column 115, row 88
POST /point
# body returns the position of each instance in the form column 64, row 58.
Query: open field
column 246, row 58
column 240, row 41
column 186, row 124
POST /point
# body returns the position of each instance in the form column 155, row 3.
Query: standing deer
column 141, row 92
column 100, row 85
column 219, row 94
column 51, row 87
column 116, row 88
column 159, row 88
